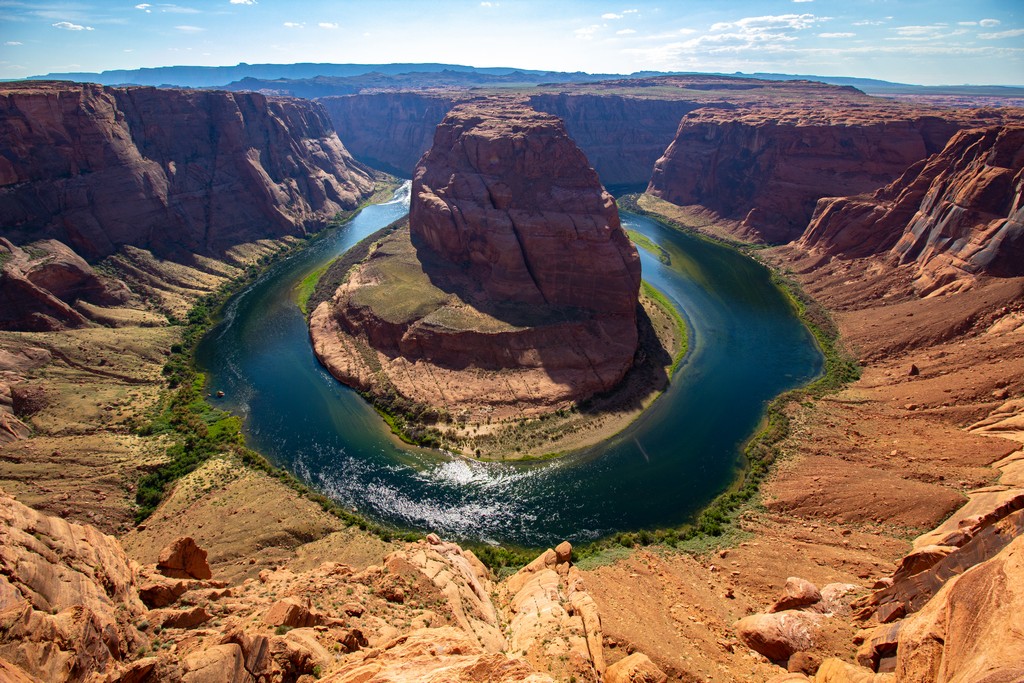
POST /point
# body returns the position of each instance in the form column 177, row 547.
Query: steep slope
column 174, row 172
column 957, row 214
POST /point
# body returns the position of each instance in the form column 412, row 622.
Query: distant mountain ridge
column 401, row 74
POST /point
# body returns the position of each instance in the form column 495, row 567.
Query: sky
column 927, row 42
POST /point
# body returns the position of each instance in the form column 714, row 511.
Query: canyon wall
column 769, row 169
column 960, row 212
column 389, row 131
column 621, row 136
column 175, row 172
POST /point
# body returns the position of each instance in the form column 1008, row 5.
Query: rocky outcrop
column 963, row 633
column 389, row 131
column 515, row 287
column 505, row 195
column 957, row 214
column 175, row 172
column 183, row 559
column 41, row 284
column 769, row 169
column 68, row 597
column 73, row 608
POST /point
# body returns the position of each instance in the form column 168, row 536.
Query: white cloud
column 144, row 7
column 13, row 43
column 587, row 32
column 939, row 31
column 611, row 15
column 868, row 22
column 490, row 4
column 190, row 29
column 966, row 23
column 803, row 0
column 989, row 23
column 68, row 26
column 177, row 9
column 1012, row 33
column 293, row 24
column 327, row 24
column 765, row 23
column 630, row 11
column 243, row 2
column 836, row 35
column 625, row 32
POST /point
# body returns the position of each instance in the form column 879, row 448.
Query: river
column 746, row 347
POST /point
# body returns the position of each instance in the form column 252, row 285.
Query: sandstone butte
column 514, row 290
column 922, row 274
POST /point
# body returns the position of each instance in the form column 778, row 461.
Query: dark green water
column 746, row 347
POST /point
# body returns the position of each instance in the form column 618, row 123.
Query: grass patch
column 304, row 290
column 662, row 302
column 646, row 243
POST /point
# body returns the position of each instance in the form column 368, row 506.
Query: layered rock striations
column 768, row 169
column 515, row 289
column 175, row 172
column 957, row 214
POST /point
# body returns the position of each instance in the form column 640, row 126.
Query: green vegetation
column 680, row 324
column 304, row 290
column 646, row 243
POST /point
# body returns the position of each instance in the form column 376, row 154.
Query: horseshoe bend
column 511, row 292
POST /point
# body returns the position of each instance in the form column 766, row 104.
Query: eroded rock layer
column 769, row 169
column 956, row 214
column 514, row 261
column 506, row 195
column 175, row 172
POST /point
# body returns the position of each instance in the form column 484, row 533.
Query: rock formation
column 41, row 284
column 175, row 172
column 769, row 168
column 74, row 608
column 957, row 214
column 521, row 293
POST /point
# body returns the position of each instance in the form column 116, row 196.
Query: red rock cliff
column 770, row 168
column 505, row 194
column 960, row 212
column 172, row 171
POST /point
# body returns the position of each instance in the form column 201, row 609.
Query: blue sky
column 916, row 41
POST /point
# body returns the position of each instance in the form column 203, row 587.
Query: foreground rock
column 74, row 608
column 514, row 291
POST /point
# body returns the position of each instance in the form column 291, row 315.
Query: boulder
column 183, row 559
column 636, row 668
column 796, row 594
column 292, row 612
column 777, row 635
